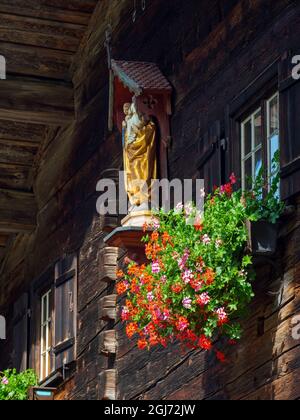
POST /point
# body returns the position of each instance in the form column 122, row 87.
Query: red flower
column 122, row 287
column 198, row 227
column 142, row 344
column 131, row 329
column 221, row 356
column 233, row 179
column 177, row 288
column 205, row 343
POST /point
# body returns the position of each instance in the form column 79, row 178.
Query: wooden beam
column 16, row 131
column 28, row 100
column 40, row 32
column 34, row 8
column 3, row 240
column 17, row 211
column 25, row 60
column 17, row 154
column 14, row 176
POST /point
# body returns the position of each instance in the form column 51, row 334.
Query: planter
column 262, row 238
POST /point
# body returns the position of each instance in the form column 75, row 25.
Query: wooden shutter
column 65, row 308
column 209, row 165
column 289, row 89
column 20, row 333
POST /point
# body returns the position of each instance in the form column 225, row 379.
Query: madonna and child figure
column 140, row 157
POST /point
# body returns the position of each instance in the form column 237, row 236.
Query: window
column 260, row 139
column 272, row 129
column 46, row 335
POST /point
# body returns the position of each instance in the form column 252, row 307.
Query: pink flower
column 187, row 276
column 182, row 261
column 233, row 179
column 182, row 324
column 206, row 240
column 5, row 381
column 203, row 299
column 155, row 267
column 150, row 296
column 222, row 316
column 187, row 303
column 125, row 314
column 163, row 279
column 166, row 315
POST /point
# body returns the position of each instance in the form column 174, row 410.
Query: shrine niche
column 140, row 107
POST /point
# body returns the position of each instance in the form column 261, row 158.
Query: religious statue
column 140, row 157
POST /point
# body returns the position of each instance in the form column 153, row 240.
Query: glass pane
column 274, row 147
column 248, row 173
column 273, row 116
column 258, row 129
column 258, row 162
column 247, row 137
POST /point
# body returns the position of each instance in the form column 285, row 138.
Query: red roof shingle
column 141, row 75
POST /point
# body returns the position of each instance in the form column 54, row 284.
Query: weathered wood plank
column 108, row 342
column 108, row 308
column 36, row 102
column 57, row 10
column 3, row 240
column 12, row 130
column 17, row 211
column 16, row 153
column 14, row 177
column 40, row 32
column 107, row 385
column 36, row 61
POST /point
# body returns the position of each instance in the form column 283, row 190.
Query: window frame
column 254, row 149
column 48, row 323
column 244, row 104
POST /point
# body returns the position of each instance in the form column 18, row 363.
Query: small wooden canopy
column 152, row 92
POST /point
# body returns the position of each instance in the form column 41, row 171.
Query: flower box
column 262, row 239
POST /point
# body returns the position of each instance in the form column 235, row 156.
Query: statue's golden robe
column 140, row 165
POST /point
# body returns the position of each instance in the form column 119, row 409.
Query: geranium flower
column 155, row 267
column 5, row 381
column 187, row 276
column 222, row 316
column 131, row 329
column 187, row 303
column 221, row 356
column 122, row 287
column 150, row 296
column 206, row 239
column 205, row 343
column 182, row 324
column 203, row 299
column 209, row 277
column 226, row 189
column 233, row 179
column 163, row 279
column 125, row 315
column 177, row 288
column 142, row 344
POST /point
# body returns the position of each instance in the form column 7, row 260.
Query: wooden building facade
column 230, row 64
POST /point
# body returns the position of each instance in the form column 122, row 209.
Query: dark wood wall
column 210, row 51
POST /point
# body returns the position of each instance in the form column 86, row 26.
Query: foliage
column 14, row 386
column 198, row 279
column 263, row 202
